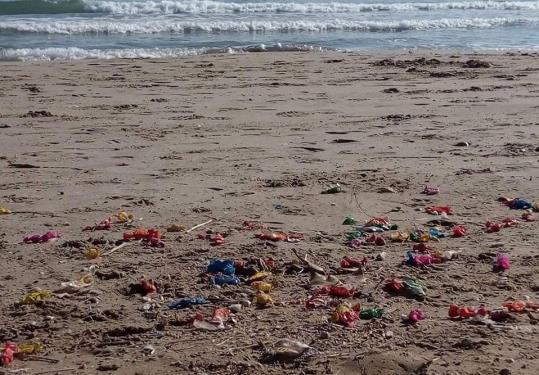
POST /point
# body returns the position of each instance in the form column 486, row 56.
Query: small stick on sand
column 117, row 248
column 59, row 370
column 223, row 342
column 198, row 226
column 45, row 359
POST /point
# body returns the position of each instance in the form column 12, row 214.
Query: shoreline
column 273, row 49
column 258, row 137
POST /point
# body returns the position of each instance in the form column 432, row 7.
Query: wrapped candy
column 36, row 238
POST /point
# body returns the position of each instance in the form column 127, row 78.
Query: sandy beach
column 258, row 137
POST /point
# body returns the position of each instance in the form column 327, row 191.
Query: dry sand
column 229, row 137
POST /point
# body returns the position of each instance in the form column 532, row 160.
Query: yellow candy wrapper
column 263, row 299
column 259, row 276
column 176, row 228
column 37, row 296
column 262, row 286
column 92, row 253
column 123, row 217
column 29, row 347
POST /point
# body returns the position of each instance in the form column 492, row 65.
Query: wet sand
column 258, row 137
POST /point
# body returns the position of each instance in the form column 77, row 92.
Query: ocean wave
column 218, row 7
column 74, row 53
column 182, row 6
column 177, row 27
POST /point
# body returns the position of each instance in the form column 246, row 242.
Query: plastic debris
column 333, row 189
column 500, row 315
column 379, row 221
column 421, row 247
column 466, row 312
column 77, row 285
column 263, row 299
column 29, row 347
column 356, row 243
column 152, row 237
column 418, row 260
column 414, row 287
column 221, row 315
column 221, row 279
column 438, row 210
column 415, row 316
column 36, row 238
column 287, row 350
column 260, row 275
column 408, row 285
column 280, row 236
column 492, row 226
column 272, row 236
column 516, row 203
column 217, row 239
column 436, row 233
column 262, row 286
column 502, row 263
column 252, row 225
column 319, row 279
column 319, row 301
column 459, row 231
column 431, row 190
column 249, row 268
column 373, row 225
column 105, row 224
column 307, row 263
column 4, row 211
column 8, row 352
column 345, row 315
column 352, row 263
column 371, row 313
column 399, row 236
column 226, row 267
column 148, row 286
column 187, row 302
column 207, row 326
column 217, row 322
column 349, row 221
column 92, row 253
column 176, row 228
column 123, row 217
column 376, row 240
column 336, row 291
column 521, row 306
column 36, row 296
column 142, row 234
column 422, row 236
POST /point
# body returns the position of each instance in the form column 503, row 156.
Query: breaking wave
column 74, row 53
column 200, row 7
column 172, row 26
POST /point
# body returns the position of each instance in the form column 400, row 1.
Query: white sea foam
column 185, row 6
column 73, row 53
column 84, row 26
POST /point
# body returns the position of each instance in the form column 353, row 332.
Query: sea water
column 76, row 29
